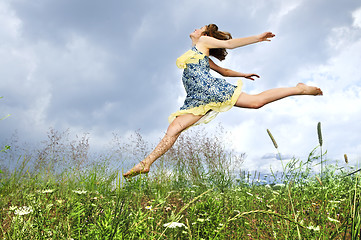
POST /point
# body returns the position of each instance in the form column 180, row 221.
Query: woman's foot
column 309, row 90
column 137, row 169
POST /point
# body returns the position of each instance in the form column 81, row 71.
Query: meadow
column 198, row 190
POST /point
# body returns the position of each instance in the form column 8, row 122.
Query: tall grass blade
column 352, row 173
column 356, row 218
column 177, row 216
column 243, row 214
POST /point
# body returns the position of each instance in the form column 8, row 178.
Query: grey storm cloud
column 105, row 66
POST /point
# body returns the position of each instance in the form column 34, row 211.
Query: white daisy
column 23, row 210
column 173, row 225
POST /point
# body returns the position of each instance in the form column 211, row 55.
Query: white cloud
column 357, row 18
column 10, row 24
column 283, row 9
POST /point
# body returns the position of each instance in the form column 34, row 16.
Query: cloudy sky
column 107, row 67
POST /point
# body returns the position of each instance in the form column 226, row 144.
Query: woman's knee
column 249, row 101
column 253, row 103
column 175, row 128
column 181, row 123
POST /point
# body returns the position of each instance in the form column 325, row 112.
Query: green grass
column 90, row 207
column 96, row 203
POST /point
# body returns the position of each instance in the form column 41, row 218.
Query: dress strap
column 191, row 56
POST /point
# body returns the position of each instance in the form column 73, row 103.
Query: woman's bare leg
column 174, row 130
column 259, row 100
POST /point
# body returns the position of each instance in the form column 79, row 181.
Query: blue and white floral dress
column 206, row 94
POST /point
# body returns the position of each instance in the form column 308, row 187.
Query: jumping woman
column 207, row 95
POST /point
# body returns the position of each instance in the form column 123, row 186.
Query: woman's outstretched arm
column 230, row 73
column 210, row 42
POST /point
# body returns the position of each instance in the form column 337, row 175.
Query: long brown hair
column 212, row 31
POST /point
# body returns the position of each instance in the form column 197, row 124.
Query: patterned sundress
column 206, row 94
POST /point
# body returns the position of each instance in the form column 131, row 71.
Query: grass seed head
column 273, row 140
column 319, row 133
column 319, row 180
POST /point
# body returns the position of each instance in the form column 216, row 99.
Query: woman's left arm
column 230, row 73
column 210, row 42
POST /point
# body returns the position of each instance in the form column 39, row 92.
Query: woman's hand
column 250, row 76
column 265, row 36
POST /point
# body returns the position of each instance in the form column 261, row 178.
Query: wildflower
column 278, row 186
column 314, row 228
column 48, row 191
column 80, row 191
column 333, row 220
column 12, row 208
column 23, row 210
column 173, row 225
column 149, row 208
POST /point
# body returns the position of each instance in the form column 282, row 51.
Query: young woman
column 207, row 95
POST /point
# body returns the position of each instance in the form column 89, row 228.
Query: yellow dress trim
column 210, row 110
column 189, row 57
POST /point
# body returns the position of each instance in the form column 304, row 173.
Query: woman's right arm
column 210, row 42
column 230, row 73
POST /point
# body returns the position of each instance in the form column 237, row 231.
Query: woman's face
column 198, row 32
